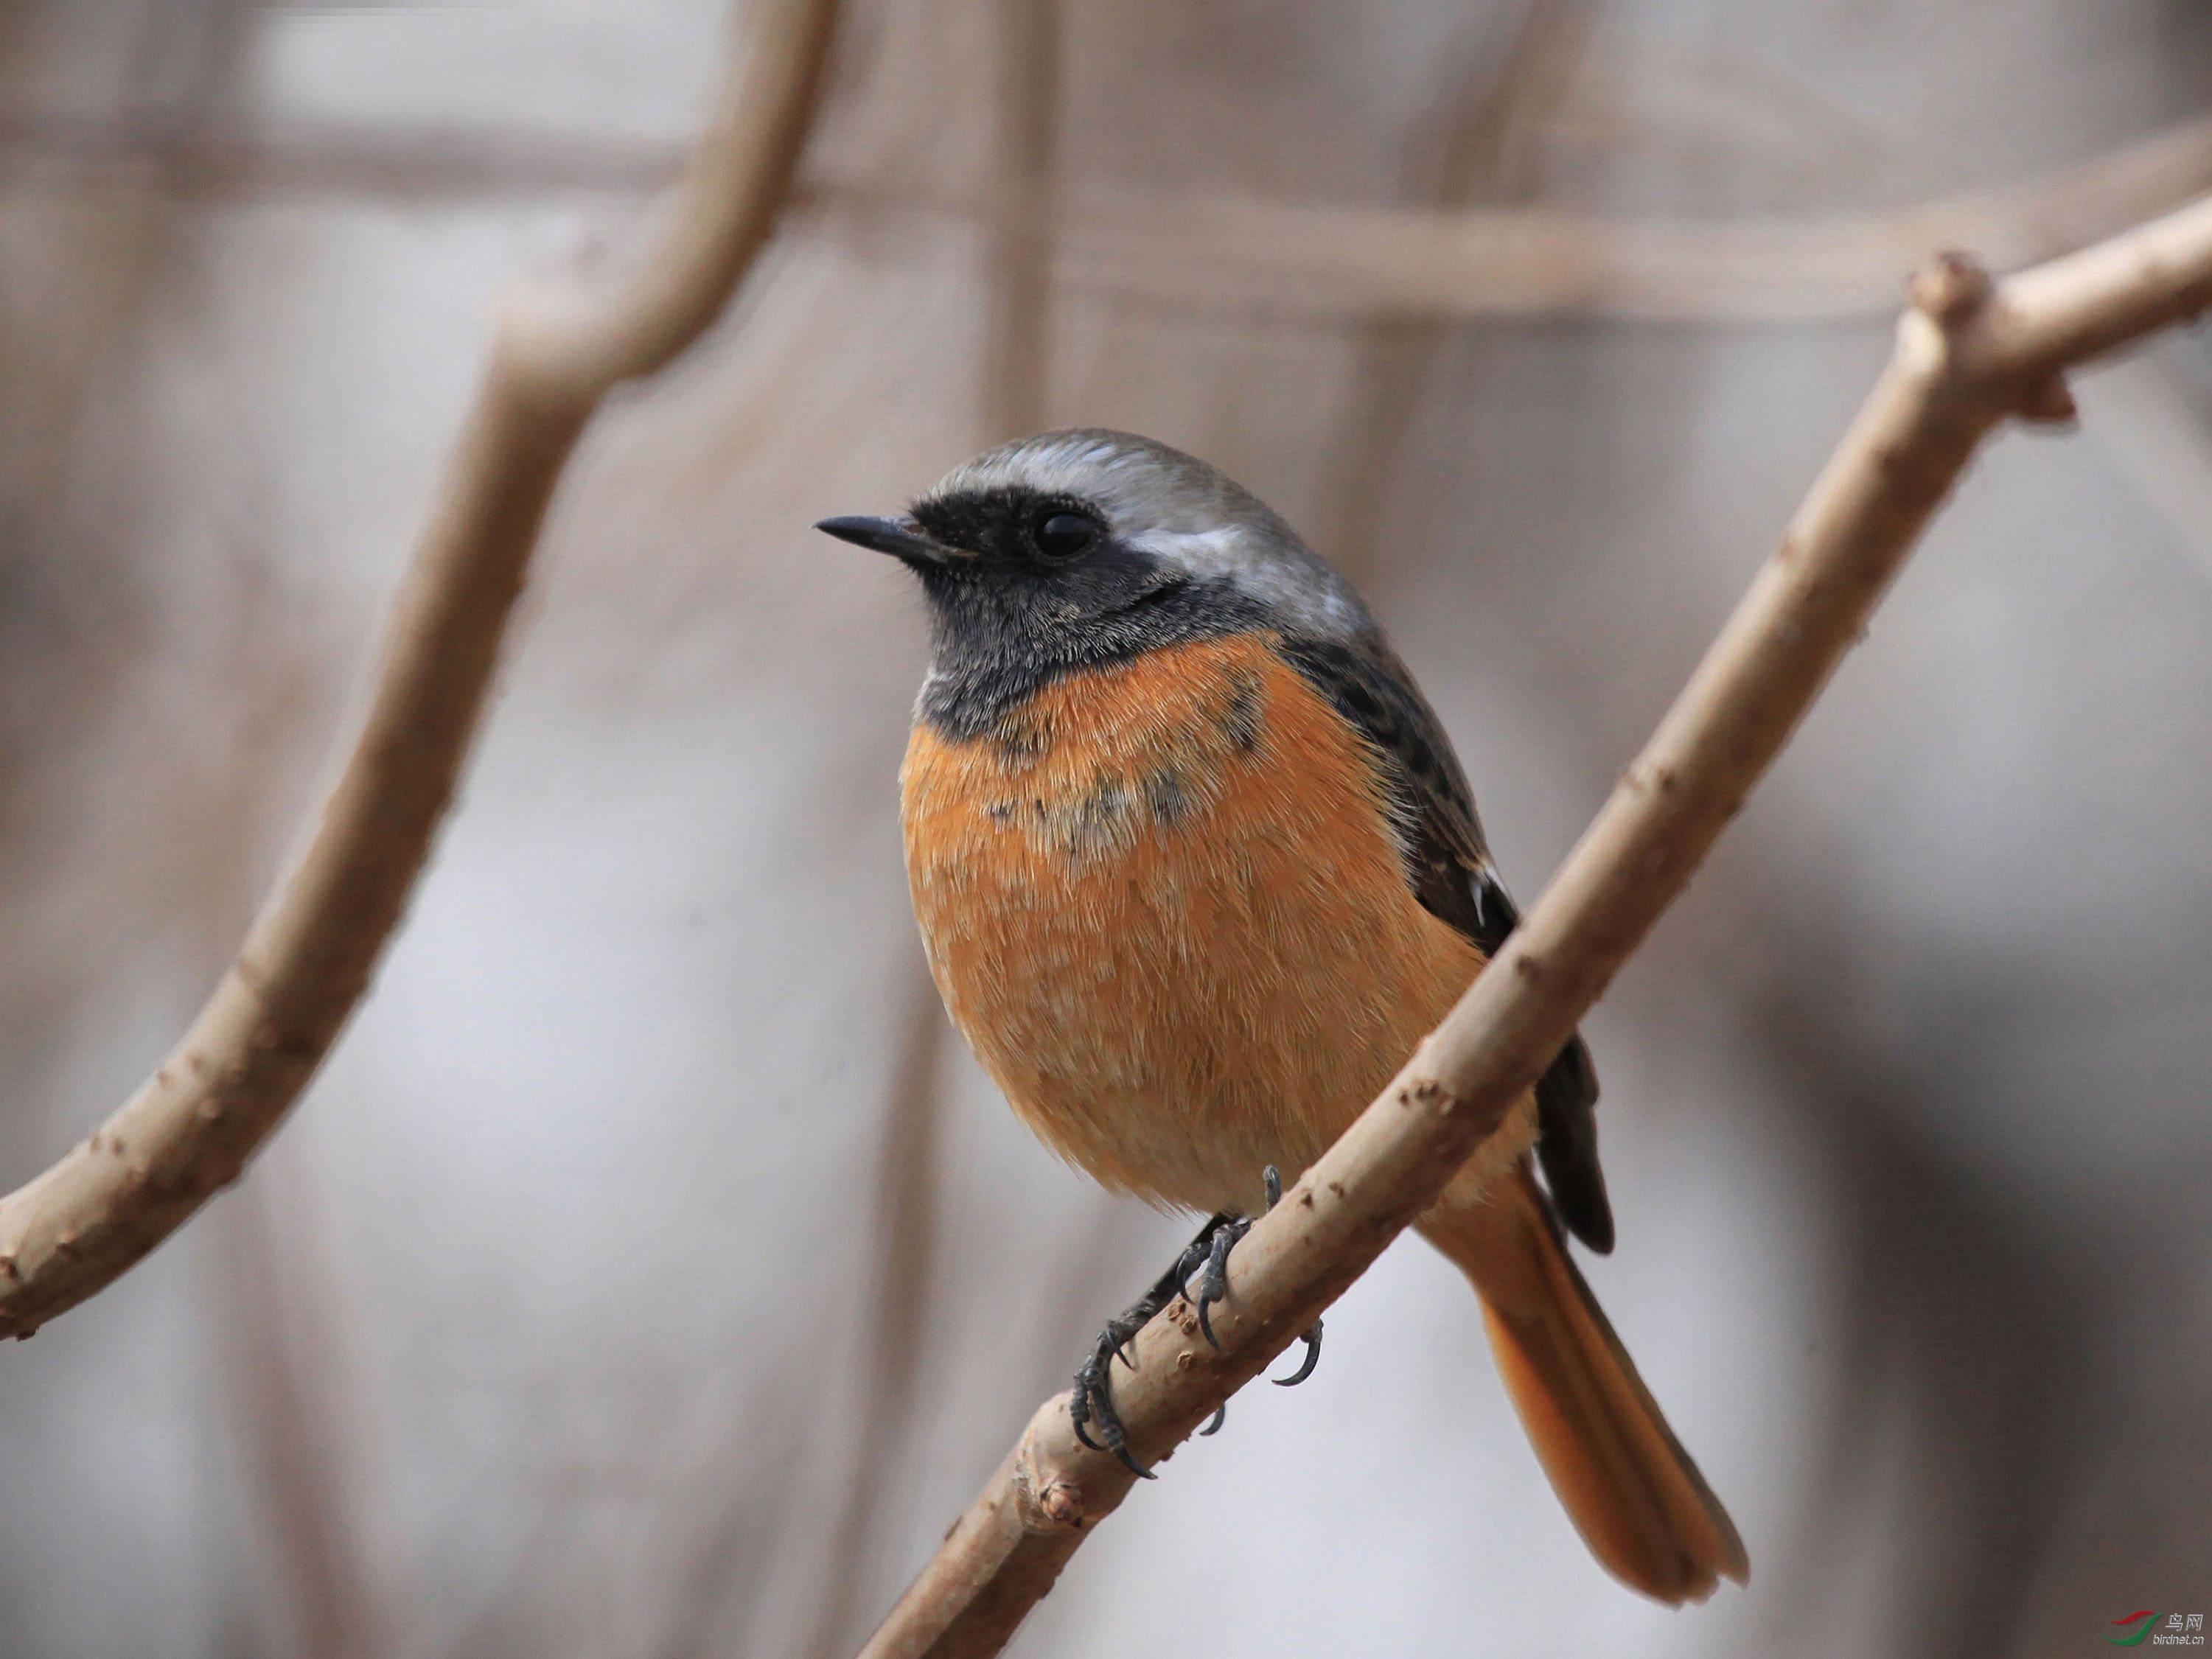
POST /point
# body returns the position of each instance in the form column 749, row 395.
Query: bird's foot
column 1214, row 1287
column 1312, row 1340
column 1093, row 1402
column 1226, row 1232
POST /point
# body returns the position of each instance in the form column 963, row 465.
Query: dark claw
column 1132, row 1465
column 1214, row 1285
column 1312, row 1340
column 1093, row 1400
column 1088, row 1377
column 1220, row 1236
column 1078, row 1407
column 1194, row 1257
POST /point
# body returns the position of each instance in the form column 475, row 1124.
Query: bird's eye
column 1063, row 535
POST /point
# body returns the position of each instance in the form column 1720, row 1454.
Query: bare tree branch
column 1316, row 260
column 905, row 1239
column 1308, row 258
column 1968, row 355
column 1025, row 207
column 203, row 159
column 1484, row 146
column 559, row 347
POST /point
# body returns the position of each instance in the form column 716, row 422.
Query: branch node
column 1061, row 1503
column 1046, row 1499
column 1952, row 290
column 1424, row 1094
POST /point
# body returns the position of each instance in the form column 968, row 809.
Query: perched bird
column 1196, row 868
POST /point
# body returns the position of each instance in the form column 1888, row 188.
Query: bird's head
column 1077, row 549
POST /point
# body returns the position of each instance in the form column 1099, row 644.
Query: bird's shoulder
column 1448, row 860
column 1449, row 866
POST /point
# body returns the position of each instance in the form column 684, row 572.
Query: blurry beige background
column 649, row 1273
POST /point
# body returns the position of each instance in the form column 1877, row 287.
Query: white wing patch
column 1262, row 568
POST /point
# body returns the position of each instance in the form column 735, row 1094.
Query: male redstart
column 1196, row 868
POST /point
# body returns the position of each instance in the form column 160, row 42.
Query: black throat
column 996, row 642
column 1007, row 619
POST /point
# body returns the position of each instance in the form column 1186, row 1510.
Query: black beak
column 900, row 538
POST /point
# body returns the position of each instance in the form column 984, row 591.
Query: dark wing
column 1450, row 870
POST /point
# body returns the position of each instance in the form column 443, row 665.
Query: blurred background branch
column 189, row 1130
column 1450, row 261
column 1541, row 262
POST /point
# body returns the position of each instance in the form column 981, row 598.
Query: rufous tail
column 1631, row 1490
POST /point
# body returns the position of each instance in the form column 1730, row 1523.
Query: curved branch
column 307, row 958
column 1968, row 355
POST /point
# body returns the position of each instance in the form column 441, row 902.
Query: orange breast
column 1163, row 903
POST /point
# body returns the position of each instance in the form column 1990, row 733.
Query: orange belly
column 1163, row 903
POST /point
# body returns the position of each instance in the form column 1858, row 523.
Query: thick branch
column 307, row 958
column 1966, row 358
